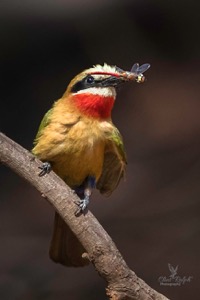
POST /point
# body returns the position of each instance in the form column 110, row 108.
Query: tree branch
column 122, row 282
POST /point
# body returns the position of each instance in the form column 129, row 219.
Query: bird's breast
column 82, row 153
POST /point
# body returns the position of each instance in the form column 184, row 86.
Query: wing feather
column 45, row 121
column 114, row 163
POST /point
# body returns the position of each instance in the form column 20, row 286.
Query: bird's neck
column 94, row 105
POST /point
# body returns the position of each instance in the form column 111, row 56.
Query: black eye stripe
column 89, row 81
column 85, row 83
column 78, row 86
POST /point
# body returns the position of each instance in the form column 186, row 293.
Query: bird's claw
column 82, row 205
column 45, row 168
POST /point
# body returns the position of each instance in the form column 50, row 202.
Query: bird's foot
column 45, row 168
column 82, row 205
column 85, row 192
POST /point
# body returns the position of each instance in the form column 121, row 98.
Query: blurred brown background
column 153, row 216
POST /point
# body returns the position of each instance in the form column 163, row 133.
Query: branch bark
column 122, row 282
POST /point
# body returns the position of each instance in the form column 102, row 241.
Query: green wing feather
column 118, row 141
column 45, row 121
column 114, row 163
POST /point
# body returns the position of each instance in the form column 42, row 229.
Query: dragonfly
column 136, row 72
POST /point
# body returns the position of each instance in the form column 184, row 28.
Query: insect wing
column 143, row 68
column 135, row 68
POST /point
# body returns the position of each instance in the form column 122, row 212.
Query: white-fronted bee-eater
column 79, row 142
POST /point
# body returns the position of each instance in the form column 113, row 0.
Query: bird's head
column 94, row 90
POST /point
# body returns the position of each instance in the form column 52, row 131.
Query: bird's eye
column 90, row 79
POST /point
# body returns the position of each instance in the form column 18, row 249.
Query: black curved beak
column 113, row 81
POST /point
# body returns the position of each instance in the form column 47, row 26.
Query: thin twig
column 122, row 282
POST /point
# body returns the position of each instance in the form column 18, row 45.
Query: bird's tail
column 65, row 248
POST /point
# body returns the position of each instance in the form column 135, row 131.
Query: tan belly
column 78, row 162
column 75, row 152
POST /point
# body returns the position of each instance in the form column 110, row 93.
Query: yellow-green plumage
column 79, row 145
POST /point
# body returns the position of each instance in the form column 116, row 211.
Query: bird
column 79, row 142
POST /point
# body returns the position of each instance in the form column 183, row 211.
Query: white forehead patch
column 105, row 91
column 105, row 68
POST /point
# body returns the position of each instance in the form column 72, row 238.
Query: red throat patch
column 95, row 106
